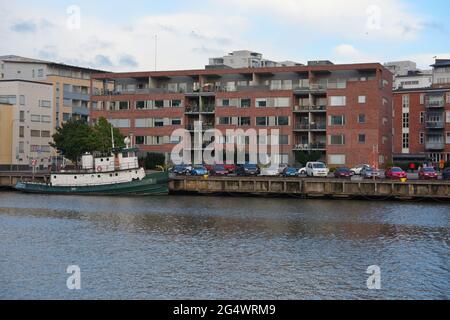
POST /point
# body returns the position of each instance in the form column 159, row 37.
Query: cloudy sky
column 120, row 35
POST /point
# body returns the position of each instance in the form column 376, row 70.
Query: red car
column 428, row 174
column 395, row 173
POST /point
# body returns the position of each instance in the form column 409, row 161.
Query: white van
column 316, row 169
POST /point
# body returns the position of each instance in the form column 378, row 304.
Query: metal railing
column 435, row 125
column 310, row 146
column 310, row 126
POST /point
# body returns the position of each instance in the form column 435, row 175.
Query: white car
column 281, row 168
column 302, row 171
column 316, row 169
column 357, row 169
column 269, row 172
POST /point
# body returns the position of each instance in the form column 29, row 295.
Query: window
column 44, row 104
column 447, row 138
column 141, row 105
column 176, row 103
column 22, row 100
column 422, row 137
column 282, row 121
column 68, row 102
column 176, row 122
column 337, row 139
column 447, row 117
column 405, row 120
column 40, row 73
column 8, row 99
column 261, row 103
column 21, row 132
column 338, row 101
column 140, row 139
column 362, row 99
column 361, row 138
column 45, row 134
column 336, row 159
column 21, row 147
column 225, row 120
column 35, row 118
column 283, row 140
column 405, row 141
column 22, row 116
column 225, row 102
column 282, row 102
column 422, row 98
column 262, row 121
column 422, row 117
column 120, row 123
column 159, row 122
column 35, row 133
column 124, row 105
column 337, row 120
column 159, row 104
column 362, row 118
column 66, row 117
column 405, row 101
column 245, row 103
column 46, row 119
column 448, row 97
column 244, row 121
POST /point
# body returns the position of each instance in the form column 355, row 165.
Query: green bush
column 152, row 160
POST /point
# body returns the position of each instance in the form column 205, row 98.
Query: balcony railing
column 435, row 103
column 207, row 126
column 435, row 125
column 310, row 108
column 209, row 109
column 192, row 109
column 435, row 145
column 310, row 146
column 310, row 126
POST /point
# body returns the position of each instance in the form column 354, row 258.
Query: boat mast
column 112, row 137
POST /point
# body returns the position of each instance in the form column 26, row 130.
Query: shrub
column 153, row 160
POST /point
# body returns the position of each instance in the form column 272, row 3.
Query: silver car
column 370, row 173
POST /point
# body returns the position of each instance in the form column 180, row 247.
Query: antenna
column 156, row 50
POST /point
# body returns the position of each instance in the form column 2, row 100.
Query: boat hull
column 152, row 184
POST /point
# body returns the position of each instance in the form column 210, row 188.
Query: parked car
column 290, row 172
column 281, row 168
column 446, row 174
column 316, row 169
column 428, row 174
column 343, row 172
column 370, row 173
column 198, row 171
column 218, row 170
column 357, row 169
column 247, row 170
column 395, row 173
column 181, row 169
column 302, row 171
column 270, row 172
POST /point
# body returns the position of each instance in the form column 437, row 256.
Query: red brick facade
column 367, row 107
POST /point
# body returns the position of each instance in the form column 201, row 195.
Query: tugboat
column 117, row 173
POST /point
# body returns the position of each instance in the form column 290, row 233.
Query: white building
column 407, row 76
column 441, row 72
column 246, row 59
column 30, row 120
column 401, row 68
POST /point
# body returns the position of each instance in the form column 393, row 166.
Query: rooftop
column 441, row 63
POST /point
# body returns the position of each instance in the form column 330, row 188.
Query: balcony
column 435, row 102
column 435, row 125
column 192, row 110
column 206, row 126
column 209, row 109
column 307, row 108
column 435, row 146
column 310, row 127
column 310, row 146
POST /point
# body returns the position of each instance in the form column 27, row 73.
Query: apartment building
column 408, row 76
column 422, row 119
column 71, row 84
column 342, row 112
column 26, row 123
column 246, row 59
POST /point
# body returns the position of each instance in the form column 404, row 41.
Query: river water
column 187, row 247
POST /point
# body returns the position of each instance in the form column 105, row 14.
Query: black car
column 247, row 170
column 446, row 174
column 219, row 170
column 180, row 169
column 343, row 173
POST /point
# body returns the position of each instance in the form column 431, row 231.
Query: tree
column 74, row 138
column 154, row 160
column 102, row 133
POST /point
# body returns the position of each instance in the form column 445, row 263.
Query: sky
column 182, row 34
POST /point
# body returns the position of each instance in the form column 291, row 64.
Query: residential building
column 422, row 119
column 408, row 76
column 71, row 84
column 342, row 112
column 26, row 123
column 245, row 59
column 401, row 68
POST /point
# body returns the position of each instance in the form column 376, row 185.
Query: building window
column 66, row 117
column 21, row 147
column 262, row 121
column 244, row 121
column 337, row 120
column 40, row 73
column 175, row 103
column 405, row 120
column 448, row 97
column 22, row 116
column 338, row 139
column 35, row 118
column 224, row 121
column 447, row 117
column 35, row 133
column 447, row 138
column 45, row 104
column 361, row 138
column 282, row 121
column 362, row 118
column 405, row 141
column 245, row 103
column 22, row 100
column 21, row 132
column 159, row 104
column 140, row 140
column 159, row 123
column 362, row 99
column 176, row 122
column 45, row 134
column 225, row 102
column 422, row 137
column 422, row 117
column 338, row 101
column 141, row 105
column 261, row 103
column 283, row 140
column 336, row 159
column 405, row 101
column 46, row 119
column 422, row 98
